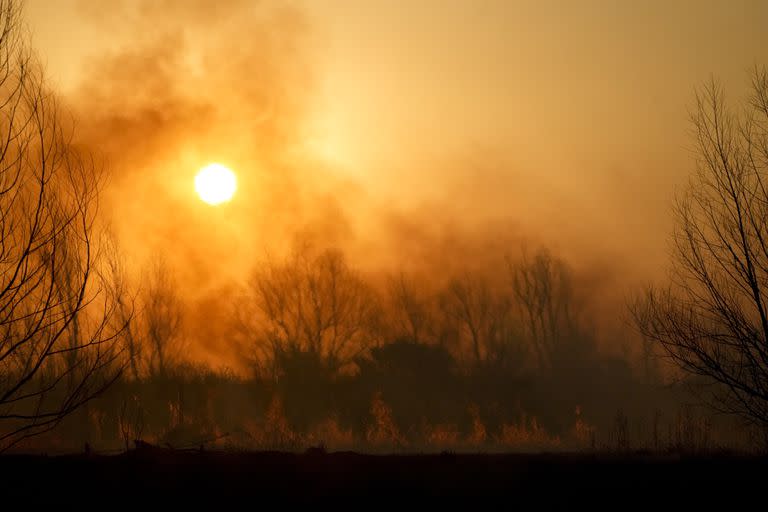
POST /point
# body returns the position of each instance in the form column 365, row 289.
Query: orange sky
column 383, row 122
column 580, row 103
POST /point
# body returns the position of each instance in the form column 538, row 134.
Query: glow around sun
column 215, row 184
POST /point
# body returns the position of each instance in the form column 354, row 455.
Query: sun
column 215, row 184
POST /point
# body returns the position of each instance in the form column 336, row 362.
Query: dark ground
column 566, row 481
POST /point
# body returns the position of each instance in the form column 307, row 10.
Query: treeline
column 481, row 361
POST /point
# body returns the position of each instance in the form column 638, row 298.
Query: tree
column 59, row 345
column 162, row 317
column 312, row 302
column 125, row 303
column 484, row 319
column 543, row 293
column 410, row 309
column 712, row 320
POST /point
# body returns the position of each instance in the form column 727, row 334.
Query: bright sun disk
column 215, row 184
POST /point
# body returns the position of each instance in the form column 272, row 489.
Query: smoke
column 200, row 82
column 193, row 82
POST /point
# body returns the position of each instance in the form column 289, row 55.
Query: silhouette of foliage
column 58, row 338
column 310, row 303
column 712, row 320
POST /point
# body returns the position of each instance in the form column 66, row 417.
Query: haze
column 399, row 131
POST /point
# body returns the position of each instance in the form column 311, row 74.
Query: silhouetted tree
column 310, row 303
column 125, row 304
column 712, row 321
column 411, row 309
column 542, row 289
column 58, row 343
column 161, row 317
column 485, row 319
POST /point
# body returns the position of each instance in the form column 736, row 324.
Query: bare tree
column 116, row 277
column 58, row 344
column 712, row 320
column 468, row 300
column 311, row 303
column 542, row 291
column 151, row 316
column 410, row 308
column 161, row 316
column 484, row 316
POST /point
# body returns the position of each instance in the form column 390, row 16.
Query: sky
column 400, row 130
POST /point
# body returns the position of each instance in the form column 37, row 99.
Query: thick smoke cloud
column 235, row 82
column 191, row 83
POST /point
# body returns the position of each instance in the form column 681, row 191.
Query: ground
column 355, row 480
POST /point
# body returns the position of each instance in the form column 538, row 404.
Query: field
column 350, row 479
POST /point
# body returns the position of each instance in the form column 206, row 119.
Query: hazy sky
column 397, row 124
